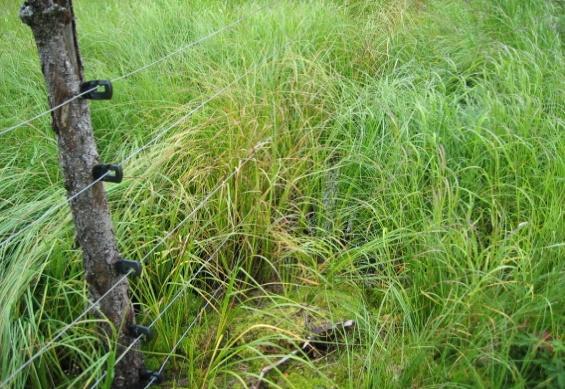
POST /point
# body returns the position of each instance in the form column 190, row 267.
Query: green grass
column 413, row 182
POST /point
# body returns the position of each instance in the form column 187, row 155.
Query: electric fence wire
column 156, row 138
column 179, row 340
column 203, row 202
column 161, row 313
column 138, row 70
column 160, row 134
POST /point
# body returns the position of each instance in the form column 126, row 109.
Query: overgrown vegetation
column 413, row 182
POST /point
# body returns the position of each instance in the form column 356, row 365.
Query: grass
column 413, row 182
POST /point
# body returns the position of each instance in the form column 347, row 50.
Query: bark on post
column 53, row 26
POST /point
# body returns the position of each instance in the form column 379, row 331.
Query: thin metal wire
column 54, row 209
column 184, row 334
column 159, row 135
column 192, row 44
column 62, row 331
column 137, row 151
column 161, row 313
column 25, row 122
column 135, row 71
column 134, row 342
column 120, row 280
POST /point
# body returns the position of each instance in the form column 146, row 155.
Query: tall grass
column 413, row 182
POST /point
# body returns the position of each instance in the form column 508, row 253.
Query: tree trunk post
column 53, row 26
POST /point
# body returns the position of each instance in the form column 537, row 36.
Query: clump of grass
column 411, row 183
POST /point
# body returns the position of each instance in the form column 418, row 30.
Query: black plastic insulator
column 137, row 330
column 154, row 376
column 93, row 90
column 101, row 172
column 126, row 266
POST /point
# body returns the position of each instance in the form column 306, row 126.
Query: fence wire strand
column 138, row 70
column 142, row 261
column 162, row 312
column 179, row 340
column 156, row 138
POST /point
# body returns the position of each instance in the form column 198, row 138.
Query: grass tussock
column 412, row 181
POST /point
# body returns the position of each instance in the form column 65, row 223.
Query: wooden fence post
column 53, row 26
